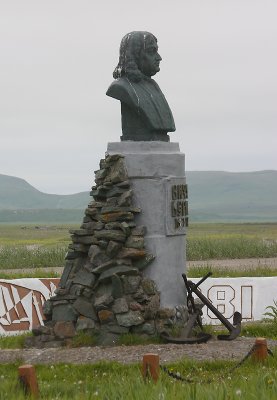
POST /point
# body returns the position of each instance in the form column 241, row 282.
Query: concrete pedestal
column 157, row 173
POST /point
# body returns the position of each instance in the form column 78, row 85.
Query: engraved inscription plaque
column 176, row 216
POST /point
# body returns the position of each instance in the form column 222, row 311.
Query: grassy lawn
column 113, row 381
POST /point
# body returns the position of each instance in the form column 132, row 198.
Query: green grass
column 45, row 246
column 22, row 257
column 229, row 248
column 260, row 329
column 113, row 381
column 36, row 273
column 13, row 342
column 199, row 272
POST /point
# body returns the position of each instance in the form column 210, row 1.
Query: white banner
column 249, row 296
column 21, row 300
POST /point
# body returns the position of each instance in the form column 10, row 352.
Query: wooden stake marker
column 28, row 379
column 151, row 366
column 260, row 353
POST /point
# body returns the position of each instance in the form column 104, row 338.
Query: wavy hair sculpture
column 131, row 47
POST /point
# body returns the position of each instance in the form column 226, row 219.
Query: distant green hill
column 16, row 193
column 232, row 196
column 214, row 196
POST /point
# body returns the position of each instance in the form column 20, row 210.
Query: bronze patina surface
column 145, row 113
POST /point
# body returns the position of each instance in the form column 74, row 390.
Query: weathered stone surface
column 54, row 344
column 98, row 256
column 123, row 226
column 102, row 163
column 125, row 184
column 33, row 341
column 47, row 338
column 152, row 307
column 115, row 192
column 100, row 175
column 120, row 306
column 119, row 270
column 81, row 232
column 134, row 306
column 144, row 262
column 115, row 235
column 72, row 255
column 103, row 288
column 148, row 286
column 139, row 231
column 92, row 211
column 165, row 313
column 85, row 308
column 47, row 308
column 84, row 324
column 117, row 287
column 93, row 225
column 83, row 239
column 137, row 242
column 65, row 274
column 108, row 339
column 76, row 289
column 87, row 292
column 102, row 302
column 148, row 328
column 112, row 201
column 105, row 316
column 113, row 248
column 64, row 329
column 114, row 328
column 131, row 253
column 125, row 199
column 103, row 244
column 78, row 247
column 118, row 172
column 140, row 296
column 64, row 312
column 84, row 277
column 130, row 318
column 42, row 330
column 104, row 267
column 131, row 284
column 117, row 216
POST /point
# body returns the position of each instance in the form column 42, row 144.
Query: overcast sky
column 218, row 73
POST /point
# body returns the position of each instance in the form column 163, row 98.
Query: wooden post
column 260, row 353
column 151, row 366
column 27, row 376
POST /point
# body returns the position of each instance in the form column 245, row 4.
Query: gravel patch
column 213, row 350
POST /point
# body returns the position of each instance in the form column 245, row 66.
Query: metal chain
column 179, row 377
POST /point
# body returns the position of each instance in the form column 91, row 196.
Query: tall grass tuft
column 22, row 257
column 229, row 247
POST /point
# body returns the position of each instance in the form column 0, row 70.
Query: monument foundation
column 156, row 171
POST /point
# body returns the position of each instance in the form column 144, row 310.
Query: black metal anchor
column 234, row 329
column 195, row 313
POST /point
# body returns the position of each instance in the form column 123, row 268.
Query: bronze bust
column 145, row 113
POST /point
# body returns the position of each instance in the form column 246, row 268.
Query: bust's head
column 138, row 56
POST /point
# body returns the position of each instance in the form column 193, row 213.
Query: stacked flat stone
column 102, row 289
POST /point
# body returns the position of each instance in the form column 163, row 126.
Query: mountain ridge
column 213, row 196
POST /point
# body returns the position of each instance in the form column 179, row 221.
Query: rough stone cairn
column 102, row 290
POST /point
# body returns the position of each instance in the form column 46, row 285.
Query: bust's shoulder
column 120, row 89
